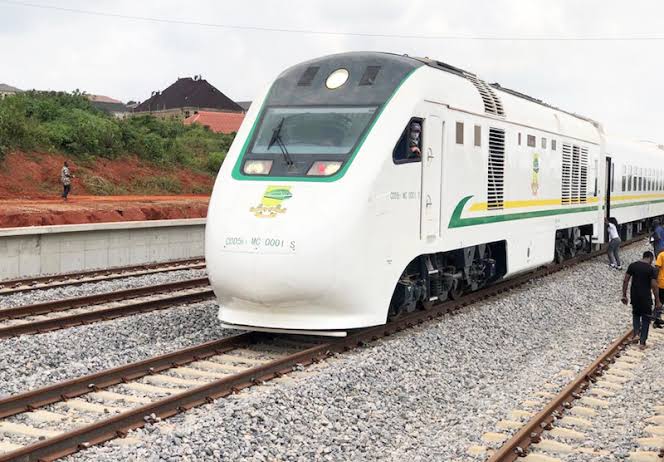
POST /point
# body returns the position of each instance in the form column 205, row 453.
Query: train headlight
column 337, row 79
column 257, row 167
column 324, row 168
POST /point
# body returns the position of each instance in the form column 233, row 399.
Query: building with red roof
column 219, row 122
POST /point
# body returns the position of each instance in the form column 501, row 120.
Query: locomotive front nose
column 284, row 264
column 272, row 251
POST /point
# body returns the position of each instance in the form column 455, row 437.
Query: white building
column 6, row 90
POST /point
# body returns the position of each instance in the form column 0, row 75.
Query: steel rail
column 106, row 297
column 63, row 322
column 517, row 446
column 118, row 426
column 12, row 286
column 34, row 399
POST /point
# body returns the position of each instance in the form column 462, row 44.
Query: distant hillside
column 36, row 175
column 68, row 124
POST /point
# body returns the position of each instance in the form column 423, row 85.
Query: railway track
column 560, row 427
column 111, row 403
column 48, row 316
column 13, row 286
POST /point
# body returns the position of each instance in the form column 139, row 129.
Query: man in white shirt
column 614, row 242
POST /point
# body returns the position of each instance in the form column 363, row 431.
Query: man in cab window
column 415, row 141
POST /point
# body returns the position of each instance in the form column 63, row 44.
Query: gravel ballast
column 428, row 393
column 32, row 361
column 623, row 427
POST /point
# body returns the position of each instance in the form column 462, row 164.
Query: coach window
column 648, row 174
column 532, row 141
column 553, row 145
column 403, row 154
column 647, row 180
column 459, row 133
column 478, row 135
column 543, row 143
column 629, row 178
column 624, row 179
column 635, row 179
column 519, row 139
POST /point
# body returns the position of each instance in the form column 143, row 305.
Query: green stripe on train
column 458, row 222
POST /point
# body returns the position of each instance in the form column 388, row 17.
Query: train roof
column 374, row 76
column 473, row 78
column 621, row 145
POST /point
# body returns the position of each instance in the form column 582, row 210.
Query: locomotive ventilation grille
column 574, row 186
column 496, row 170
column 492, row 104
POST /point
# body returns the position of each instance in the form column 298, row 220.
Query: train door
column 608, row 182
column 431, row 177
column 608, row 185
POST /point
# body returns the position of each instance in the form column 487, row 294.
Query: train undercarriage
column 571, row 242
column 433, row 278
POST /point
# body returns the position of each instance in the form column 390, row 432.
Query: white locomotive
column 324, row 216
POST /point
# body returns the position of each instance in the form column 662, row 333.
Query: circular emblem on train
column 271, row 202
column 337, row 79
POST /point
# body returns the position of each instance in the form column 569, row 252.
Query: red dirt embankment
column 30, row 191
column 96, row 209
column 37, row 176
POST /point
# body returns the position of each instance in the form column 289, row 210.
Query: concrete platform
column 42, row 250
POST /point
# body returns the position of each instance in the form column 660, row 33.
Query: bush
column 101, row 186
column 214, row 161
column 68, row 123
column 158, row 185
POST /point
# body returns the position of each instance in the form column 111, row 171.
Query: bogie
column 433, row 278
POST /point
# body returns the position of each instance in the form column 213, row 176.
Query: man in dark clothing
column 644, row 282
column 658, row 238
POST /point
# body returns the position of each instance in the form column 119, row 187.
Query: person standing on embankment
column 65, row 179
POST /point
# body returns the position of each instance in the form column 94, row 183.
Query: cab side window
column 409, row 147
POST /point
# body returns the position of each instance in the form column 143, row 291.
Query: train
column 362, row 186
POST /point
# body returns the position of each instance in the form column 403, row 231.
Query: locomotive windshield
column 311, row 130
column 312, row 125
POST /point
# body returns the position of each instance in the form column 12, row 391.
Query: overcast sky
column 616, row 82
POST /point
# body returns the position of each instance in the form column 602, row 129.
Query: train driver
column 415, row 140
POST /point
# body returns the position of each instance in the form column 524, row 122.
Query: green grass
column 68, row 123
column 157, row 185
column 101, row 186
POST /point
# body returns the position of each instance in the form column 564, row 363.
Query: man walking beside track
column 658, row 238
column 65, row 179
column 644, row 282
column 659, row 264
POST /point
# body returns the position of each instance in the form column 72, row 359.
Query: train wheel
column 457, row 291
column 394, row 313
column 427, row 305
